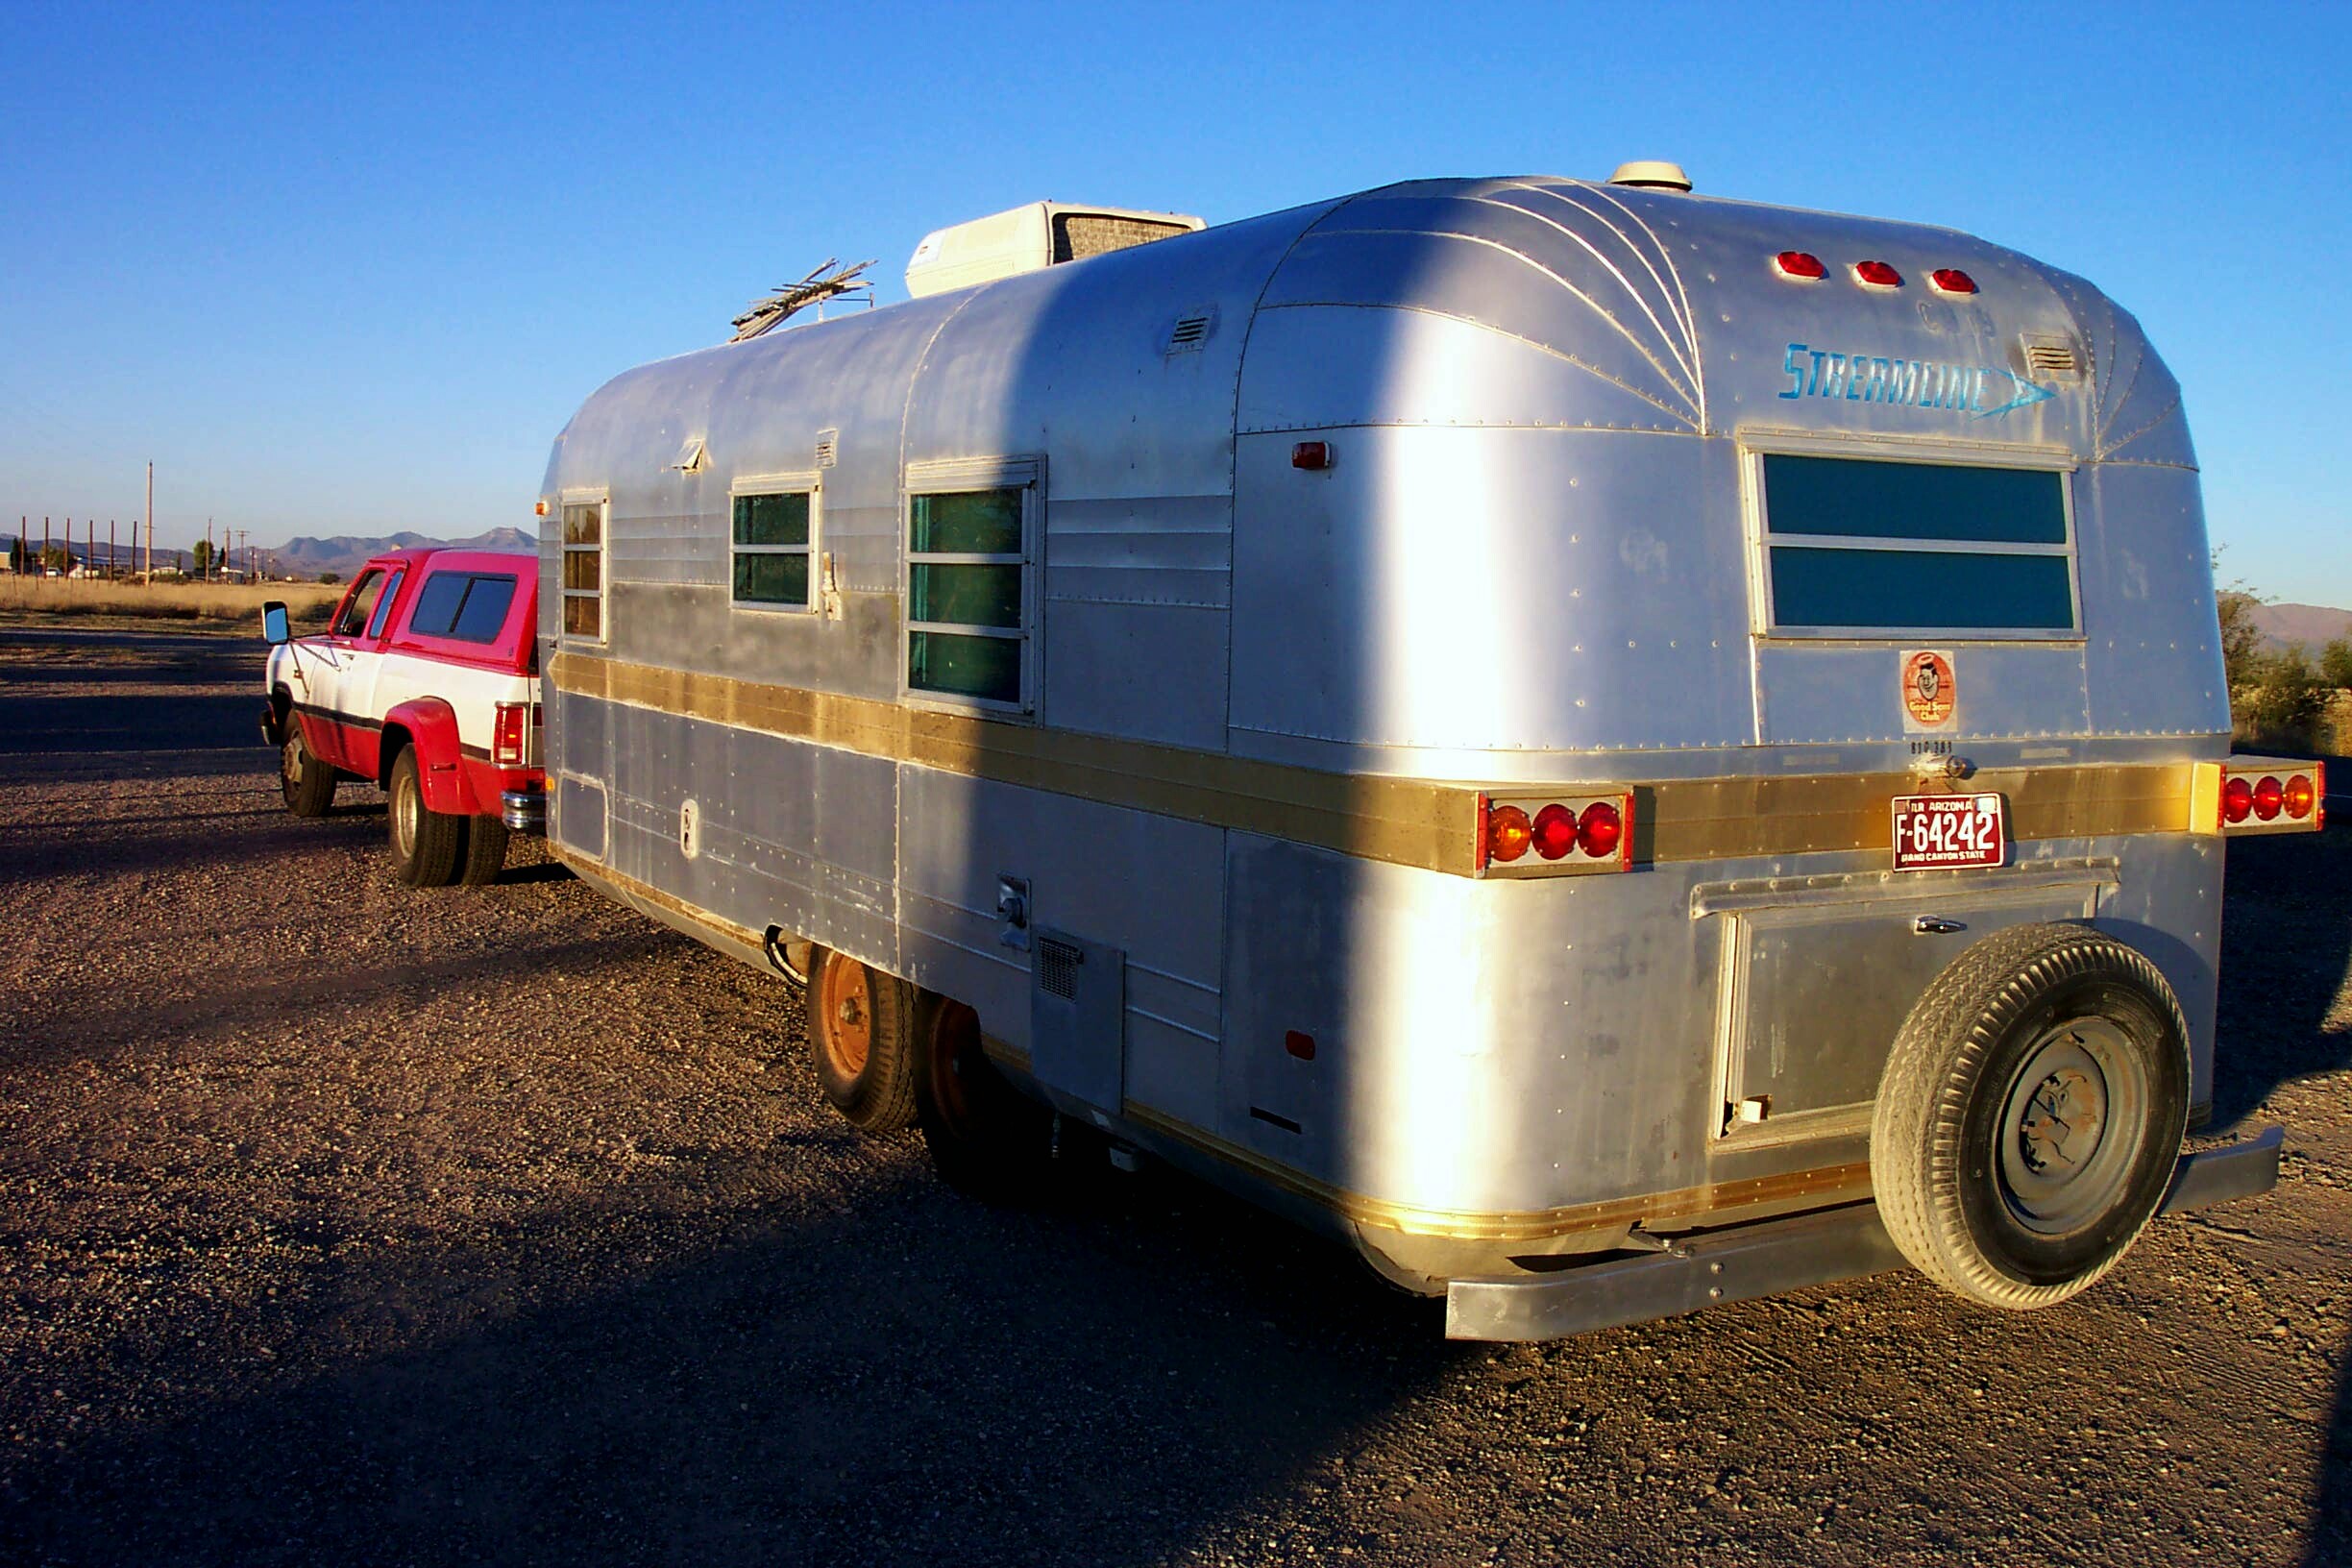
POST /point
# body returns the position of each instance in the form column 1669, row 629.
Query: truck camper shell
column 1219, row 665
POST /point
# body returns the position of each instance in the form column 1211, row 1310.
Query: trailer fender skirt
column 1706, row 1270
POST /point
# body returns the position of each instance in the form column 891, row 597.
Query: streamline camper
column 1613, row 750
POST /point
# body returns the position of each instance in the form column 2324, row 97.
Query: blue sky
column 346, row 270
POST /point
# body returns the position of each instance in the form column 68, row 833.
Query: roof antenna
column 826, row 280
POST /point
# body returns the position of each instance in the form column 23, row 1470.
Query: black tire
column 308, row 784
column 426, row 844
column 485, row 851
column 861, row 1033
column 2030, row 1115
column 987, row 1139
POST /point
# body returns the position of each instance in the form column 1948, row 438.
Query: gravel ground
column 345, row 1224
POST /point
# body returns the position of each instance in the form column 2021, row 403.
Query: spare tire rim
column 845, row 1014
column 2071, row 1126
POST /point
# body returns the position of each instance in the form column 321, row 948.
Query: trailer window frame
column 962, row 477
column 800, row 482
column 1756, row 445
column 601, row 548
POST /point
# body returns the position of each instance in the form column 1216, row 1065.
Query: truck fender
column 430, row 725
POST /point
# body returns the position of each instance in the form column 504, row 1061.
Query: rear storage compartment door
column 1814, row 988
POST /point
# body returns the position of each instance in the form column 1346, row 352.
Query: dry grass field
column 204, row 605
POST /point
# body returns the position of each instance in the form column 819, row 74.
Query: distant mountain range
column 2313, row 625
column 343, row 555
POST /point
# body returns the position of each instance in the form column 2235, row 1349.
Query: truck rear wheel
column 308, row 784
column 861, row 1029
column 2030, row 1115
column 485, row 851
column 986, row 1137
column 425, row 843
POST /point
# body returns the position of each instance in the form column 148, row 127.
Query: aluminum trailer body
column 1147, row 653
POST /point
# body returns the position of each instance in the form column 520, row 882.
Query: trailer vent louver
column 1057, row 969
column 2052, row 358
column 1190, row 332
column 826, row 443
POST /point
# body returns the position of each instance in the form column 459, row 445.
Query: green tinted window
column 1848, row 498
column 773, row 520
column 967, row 522
column 983, row 667
column 772, row 579
column 1896, row 590
column 972, row 595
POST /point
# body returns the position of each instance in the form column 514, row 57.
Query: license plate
column 1934, row 832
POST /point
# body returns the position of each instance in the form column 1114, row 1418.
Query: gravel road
column 341, row 1223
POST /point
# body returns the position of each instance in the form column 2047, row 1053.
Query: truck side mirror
column 274, row 627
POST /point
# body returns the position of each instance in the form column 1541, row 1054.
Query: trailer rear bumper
column 1766, row 1259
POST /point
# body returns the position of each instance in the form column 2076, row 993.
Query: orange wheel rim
column 845, row 1014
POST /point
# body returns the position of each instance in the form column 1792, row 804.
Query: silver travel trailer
column 1613, row 748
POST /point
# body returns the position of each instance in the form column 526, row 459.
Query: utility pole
column 44, row 560
column 248, row 561
column 110, row 547
column 150, row 522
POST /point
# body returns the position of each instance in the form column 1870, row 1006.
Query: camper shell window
column 463, row 607
column 772, row 543
column 583, row 569
column 970, row 592
column 1867, row 548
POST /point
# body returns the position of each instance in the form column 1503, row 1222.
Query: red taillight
column 1556, row 831
column 2299, row 797
column 1314, row 456
column 2237, row 801
column 506, row 733
column 1952, row 280
column 1800, row 265
column 1600, row 829
column 2268, row 795
column 1878, row 274
column 1508, row 834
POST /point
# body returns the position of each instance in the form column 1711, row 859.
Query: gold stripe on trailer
column 1418, row 823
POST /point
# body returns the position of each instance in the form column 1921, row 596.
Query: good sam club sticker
column 1930, row 695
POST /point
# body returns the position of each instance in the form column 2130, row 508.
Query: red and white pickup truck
column 426, row 684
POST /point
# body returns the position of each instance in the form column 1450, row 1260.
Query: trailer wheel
column 986, row 1137
column 861, row 1028
column 306, row 783
column 426, row 844
column 2030, row 1115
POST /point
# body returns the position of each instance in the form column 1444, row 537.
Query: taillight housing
column 1803, row 265
column 2258, row 795
column 1876, row 274
column 1951, row 280
column 510, row 734
column 1549, row 835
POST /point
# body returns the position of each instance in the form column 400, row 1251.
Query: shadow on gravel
column 2286, row 947
column 128, row 722
column 2332, row 1514
column 926, row 1380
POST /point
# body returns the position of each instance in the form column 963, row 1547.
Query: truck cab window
column 383, row 612
column 361, row 606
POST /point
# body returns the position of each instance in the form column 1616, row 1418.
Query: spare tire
column 2030, row 1115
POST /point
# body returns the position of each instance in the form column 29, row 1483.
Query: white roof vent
column 1028, row 238
column 1652, row 174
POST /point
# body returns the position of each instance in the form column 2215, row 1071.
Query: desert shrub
column 2284, row 702
column 2336, row 662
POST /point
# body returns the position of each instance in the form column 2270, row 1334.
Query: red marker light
column 2299, row 797
column 1299, row 1045
column 1314, row 456
column 1599, row 830
column 1556, row 831
column 2237, row 801
column 1878, row 274
column 1800, row 265
column 2268, row 795
column 1952, row 280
